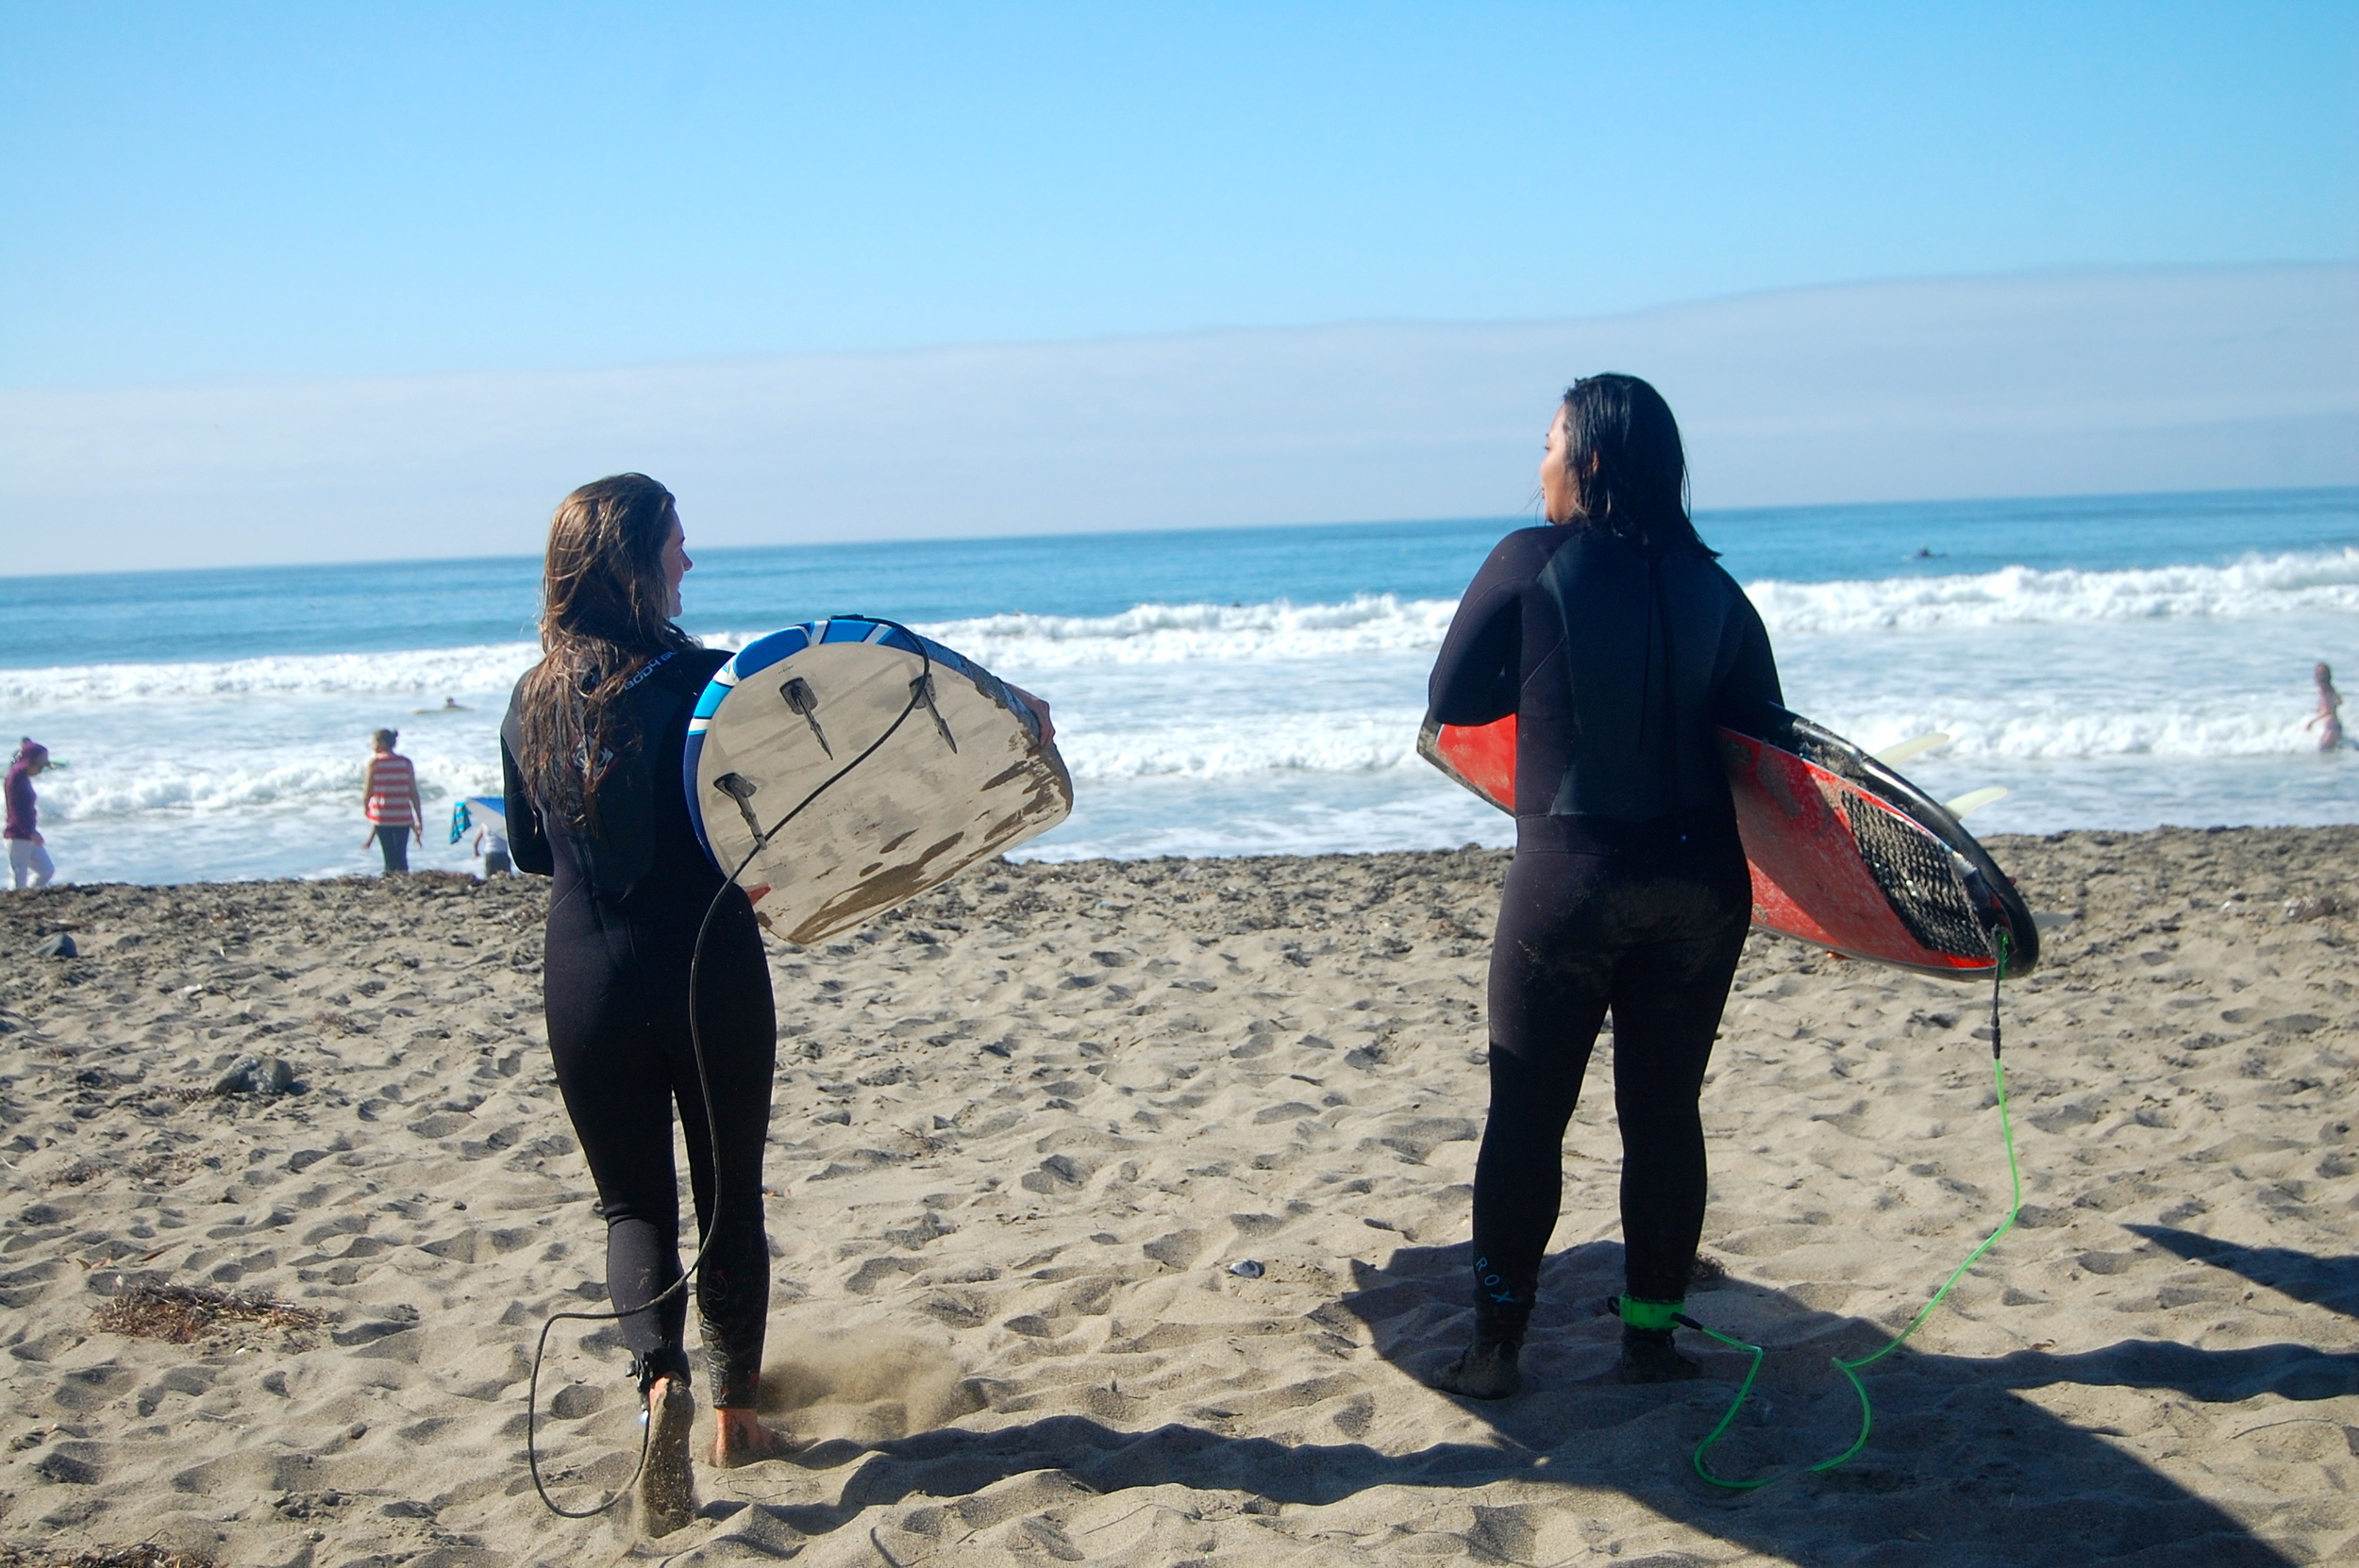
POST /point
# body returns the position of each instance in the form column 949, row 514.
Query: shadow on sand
column 2329, row 1282
column 1960, row 1470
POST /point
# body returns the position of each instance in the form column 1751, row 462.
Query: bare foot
column 667, row 1486
column 740, row 1438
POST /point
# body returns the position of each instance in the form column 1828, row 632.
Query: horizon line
column 822, row 545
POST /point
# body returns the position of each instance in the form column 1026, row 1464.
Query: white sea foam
column 2033, row 726
column 245, row 779
column 2162, row 693
column 2254, row 588
column 1326, row 742
column 1166, row 634
column 421, row 671
column 1114, row 749
column 2041, row 727
column 1148, row 634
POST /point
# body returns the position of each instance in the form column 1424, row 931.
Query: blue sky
column 203, row 191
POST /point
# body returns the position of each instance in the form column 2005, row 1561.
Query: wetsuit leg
column 739, row 1027
column 617, row 1010
column 1550, row 979
column 617, row 1085
column 1667, row 1001
column 1657, row 936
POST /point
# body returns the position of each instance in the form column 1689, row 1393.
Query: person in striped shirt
column 390, row 796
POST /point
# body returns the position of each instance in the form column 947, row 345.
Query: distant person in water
column 2328, row 720
column 29, row 866
column 390, row 796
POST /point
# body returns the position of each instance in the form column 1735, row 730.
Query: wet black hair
column 1628, row 468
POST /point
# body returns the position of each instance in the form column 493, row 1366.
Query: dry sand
column 1025, row 1128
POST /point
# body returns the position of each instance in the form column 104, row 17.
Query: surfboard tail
column 1937, row 880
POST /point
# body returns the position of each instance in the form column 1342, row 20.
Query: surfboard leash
column 1851, row 1368
column 921, row 692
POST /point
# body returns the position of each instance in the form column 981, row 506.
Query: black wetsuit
column 622, row 925
column 1629, row 888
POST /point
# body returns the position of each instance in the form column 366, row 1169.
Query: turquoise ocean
column 2116, row 661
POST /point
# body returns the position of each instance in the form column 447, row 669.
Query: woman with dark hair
column 591, row 749
column 1618, row 642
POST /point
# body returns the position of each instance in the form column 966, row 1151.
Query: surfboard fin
column 1892, row 757
column 740, row 789
column 922, row 688
column 1974, row 800
column 800, row 697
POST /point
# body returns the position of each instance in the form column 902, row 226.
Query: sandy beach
column 1030, row 1131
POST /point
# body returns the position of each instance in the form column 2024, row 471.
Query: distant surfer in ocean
column 590, row 750
column 2328, row 720
column 1618, row 642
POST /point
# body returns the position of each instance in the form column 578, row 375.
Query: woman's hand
column 1039, row 711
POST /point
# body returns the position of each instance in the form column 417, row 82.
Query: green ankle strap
column 1648, row 1314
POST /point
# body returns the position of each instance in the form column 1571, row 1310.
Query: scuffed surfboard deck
column 961, row 778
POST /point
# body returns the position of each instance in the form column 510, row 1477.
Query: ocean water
column 2113, row 661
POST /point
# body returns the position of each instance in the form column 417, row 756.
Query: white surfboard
column 940, row 767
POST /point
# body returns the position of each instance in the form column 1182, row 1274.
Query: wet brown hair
column 605, row 611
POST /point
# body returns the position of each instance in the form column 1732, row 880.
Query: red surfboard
column 1846, row 854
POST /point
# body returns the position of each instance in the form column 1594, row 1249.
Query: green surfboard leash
column 1850, row 1369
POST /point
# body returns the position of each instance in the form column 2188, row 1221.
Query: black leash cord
column 919, row 689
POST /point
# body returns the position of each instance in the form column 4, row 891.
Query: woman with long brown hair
column 591, row 749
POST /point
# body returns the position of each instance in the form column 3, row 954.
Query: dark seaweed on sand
column 179, row 1313
column 145, row 1555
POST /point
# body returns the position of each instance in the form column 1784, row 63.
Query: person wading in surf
column 29, row 866
column 2328, row 720
column 1618, row 642
column 389, row 799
